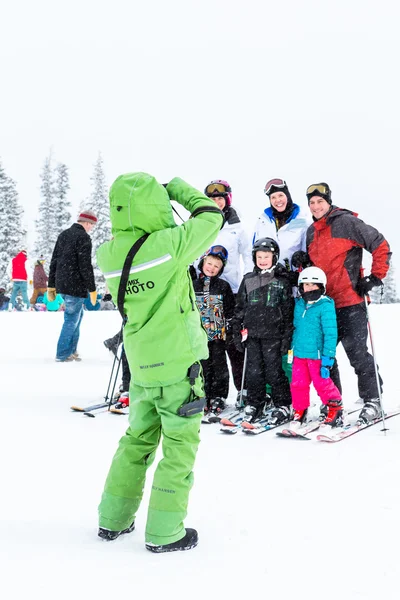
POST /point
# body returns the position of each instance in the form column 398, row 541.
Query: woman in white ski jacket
column 284, row 222
column 232, row 236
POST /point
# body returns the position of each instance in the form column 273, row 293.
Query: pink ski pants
column 305, row 371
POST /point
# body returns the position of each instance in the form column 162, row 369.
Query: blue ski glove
column 326, row 366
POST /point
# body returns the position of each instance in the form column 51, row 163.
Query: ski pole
column 243, row 376
column 378, row 383
column 108, row 398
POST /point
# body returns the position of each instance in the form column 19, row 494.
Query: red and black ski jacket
column 335, row 244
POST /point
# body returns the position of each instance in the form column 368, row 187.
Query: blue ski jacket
column 315, row 328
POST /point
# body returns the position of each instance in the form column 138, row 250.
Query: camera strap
column 125, row 272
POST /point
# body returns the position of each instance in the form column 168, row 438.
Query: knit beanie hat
column 87, row 216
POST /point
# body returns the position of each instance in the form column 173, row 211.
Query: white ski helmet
column 312, row 275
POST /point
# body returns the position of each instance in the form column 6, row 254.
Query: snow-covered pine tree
column 62, row 204
column 46, row 228
column 98, row 203
column 389, row 293
column 12, row 233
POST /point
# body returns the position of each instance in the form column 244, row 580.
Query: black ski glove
column 301, row 259
column 366, row 284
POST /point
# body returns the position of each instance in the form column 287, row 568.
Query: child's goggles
column 220, row 252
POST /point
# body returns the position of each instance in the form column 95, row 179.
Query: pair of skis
column 111, row 407
column 333, row 434
column 231, row 426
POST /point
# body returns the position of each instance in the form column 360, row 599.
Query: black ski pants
column 236, row 359
column 264, row 365
column 353, row 333
column 215, row 371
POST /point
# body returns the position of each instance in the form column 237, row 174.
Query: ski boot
column 108, row 535
column 250, row 413
column 299, row 418
column 323, row 412
column 370, row 411
column 334, row 417
column 189, row 541
column 279, row 416
column 218, row 405
column 123, row 401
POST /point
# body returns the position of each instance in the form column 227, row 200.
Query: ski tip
column 76, row 409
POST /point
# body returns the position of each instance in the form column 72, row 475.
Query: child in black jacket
column 263, row 322
column 216, row 303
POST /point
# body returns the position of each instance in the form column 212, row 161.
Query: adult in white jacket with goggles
column 287, row 224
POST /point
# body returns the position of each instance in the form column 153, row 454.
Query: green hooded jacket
column 163, row 335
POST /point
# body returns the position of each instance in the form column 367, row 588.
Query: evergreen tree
column 12, row 233
column 388, row 293
column 46, row 227
column 62, row 204
column 98, row 203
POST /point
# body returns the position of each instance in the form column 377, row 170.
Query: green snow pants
column 152, row 413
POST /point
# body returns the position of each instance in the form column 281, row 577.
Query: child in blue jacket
column 314, row 348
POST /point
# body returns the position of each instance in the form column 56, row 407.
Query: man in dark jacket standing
column 71, row 275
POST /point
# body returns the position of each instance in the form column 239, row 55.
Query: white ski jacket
column 290, row 237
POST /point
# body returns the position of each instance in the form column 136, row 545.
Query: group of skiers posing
column 303, row 292
column 164, row 341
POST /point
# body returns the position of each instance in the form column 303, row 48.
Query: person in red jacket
column 19, row 277
column 335, row 243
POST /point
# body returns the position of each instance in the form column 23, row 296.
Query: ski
column 233, row 425
column 259, row 427
column 302, row 432
column 353, row 428
column 89, row 408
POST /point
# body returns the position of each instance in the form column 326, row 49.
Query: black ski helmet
column 267, row 245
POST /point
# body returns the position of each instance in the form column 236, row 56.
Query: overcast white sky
column 306, row 90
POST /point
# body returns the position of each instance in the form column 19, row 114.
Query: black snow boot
column 189, row 541
column 108, row 535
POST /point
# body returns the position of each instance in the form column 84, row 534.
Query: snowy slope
column 276, row 518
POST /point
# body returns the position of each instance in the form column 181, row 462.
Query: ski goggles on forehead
column 278, row 183
column 319, row 187
column 219, row 251
column 213, row 189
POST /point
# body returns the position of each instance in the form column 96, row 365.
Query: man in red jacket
column 335, row 243
column 19, row 277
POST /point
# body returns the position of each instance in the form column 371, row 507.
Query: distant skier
column 164, row 343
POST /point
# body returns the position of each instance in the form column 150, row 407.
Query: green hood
column 139, row 203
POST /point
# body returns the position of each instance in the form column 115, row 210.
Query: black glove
column 366, row 284
column 280, row 270
column 294, row 278
column 301, row 259
column 285, row 346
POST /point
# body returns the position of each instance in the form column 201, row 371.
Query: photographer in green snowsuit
column 164, row 342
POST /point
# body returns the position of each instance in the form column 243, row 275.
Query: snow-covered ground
column 276, row 518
